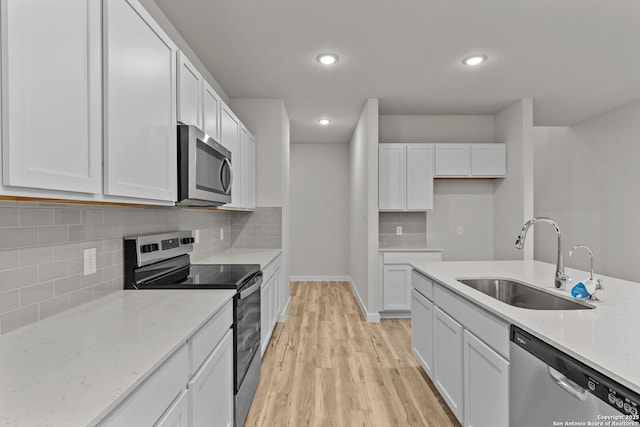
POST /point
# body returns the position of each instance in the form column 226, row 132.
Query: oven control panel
column 150, row 248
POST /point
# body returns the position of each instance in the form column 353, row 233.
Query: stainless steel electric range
column 161, row 261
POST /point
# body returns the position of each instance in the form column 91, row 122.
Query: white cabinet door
column 266, row 315
column 230, row 138
column 178, row 413
column 453, row 160
column 392, row 177
column 396, row 288
column 250, row 172
column 190, row 91
column 242, row 171
column 447, row 361
column 275, row 300
column 211, row 388
column 486, row 385
column 422, row 331
column 140, row 117
column 211, row 111
column 489, row 160
column 419, row 177
column 52, row 94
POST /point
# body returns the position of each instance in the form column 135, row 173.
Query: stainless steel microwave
column 204, row 169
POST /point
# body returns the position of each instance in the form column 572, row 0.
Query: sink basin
column 522, row 295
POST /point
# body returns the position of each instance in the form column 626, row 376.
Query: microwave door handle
column 228, row 164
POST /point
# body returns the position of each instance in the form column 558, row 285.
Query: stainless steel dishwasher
column 550, row 388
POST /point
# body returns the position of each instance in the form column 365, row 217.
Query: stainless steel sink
column 522, row 295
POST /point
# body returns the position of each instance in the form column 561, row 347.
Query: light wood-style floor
column 325, row 366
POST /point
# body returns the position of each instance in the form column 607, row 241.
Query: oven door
column 204, row 169
column 247, row 308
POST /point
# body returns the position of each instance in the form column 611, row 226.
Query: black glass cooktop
column 209, row 276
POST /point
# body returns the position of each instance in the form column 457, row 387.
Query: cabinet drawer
column 149, row 401
column 485, row 326
column 271, row 268
column 422, row 284
column 408, row 257
column 207, row 338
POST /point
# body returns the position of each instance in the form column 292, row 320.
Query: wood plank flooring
column 325, row 366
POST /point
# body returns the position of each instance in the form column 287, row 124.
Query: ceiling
column 575, row 58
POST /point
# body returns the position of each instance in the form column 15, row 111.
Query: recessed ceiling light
column 474, row 59
column 324, row 122
column 327, row 58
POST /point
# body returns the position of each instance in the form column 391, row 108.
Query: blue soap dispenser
column 588, row 288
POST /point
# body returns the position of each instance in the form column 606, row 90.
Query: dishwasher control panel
column 604, row 388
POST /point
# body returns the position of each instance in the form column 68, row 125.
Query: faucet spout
column 561, row 278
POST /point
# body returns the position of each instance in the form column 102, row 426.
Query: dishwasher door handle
column 568, row 385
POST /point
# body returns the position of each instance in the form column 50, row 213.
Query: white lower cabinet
column 178, row 413
column 422, row 337
column 448, row 361
column 486, row 385
column 464, row 350
column 211, row 388
column 396, row 288
column 173, row 397
column 270, row 301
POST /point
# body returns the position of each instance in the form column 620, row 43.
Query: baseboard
column 370, row 317
column 395, row 315
column 319, row 278
column 283, row 313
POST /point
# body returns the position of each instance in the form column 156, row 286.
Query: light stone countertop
column 74, row 368
column 604, row 338
column 241, row 256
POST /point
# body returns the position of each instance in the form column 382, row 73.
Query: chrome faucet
column 561, row 278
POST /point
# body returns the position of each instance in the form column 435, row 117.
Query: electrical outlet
column 460, row 230
column 399, row 230
column 222, row 234
column 196, row 236
column 89, row 261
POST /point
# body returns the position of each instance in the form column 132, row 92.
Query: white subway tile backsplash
column 66, row 216
column 42, row 244
column 9, row 216
column 15, row 319
column 17, row 278
column 18, row 237
column 9, row 301
column 33, row 294
column 36, row 255
column 35, row 216
column 55, row 234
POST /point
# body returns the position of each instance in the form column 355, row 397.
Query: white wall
column 268, row 121
column 319, row 210
column 162, row 20
column 467, row 203
column 513, row 196
column 586, row 178
column 363, row 209
column 436, row 129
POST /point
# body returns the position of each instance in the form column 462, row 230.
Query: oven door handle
column 250, row 290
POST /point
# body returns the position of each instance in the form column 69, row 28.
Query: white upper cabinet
column 489, row 160
column 405, row 177
column 211, row 111
column 471, row 160
column 51, row 94
column 419, row 177
column 140, row 118
column 248, row 170
column 392, row 177
column 453, row 160
column 230, row 138
column 190, row 93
